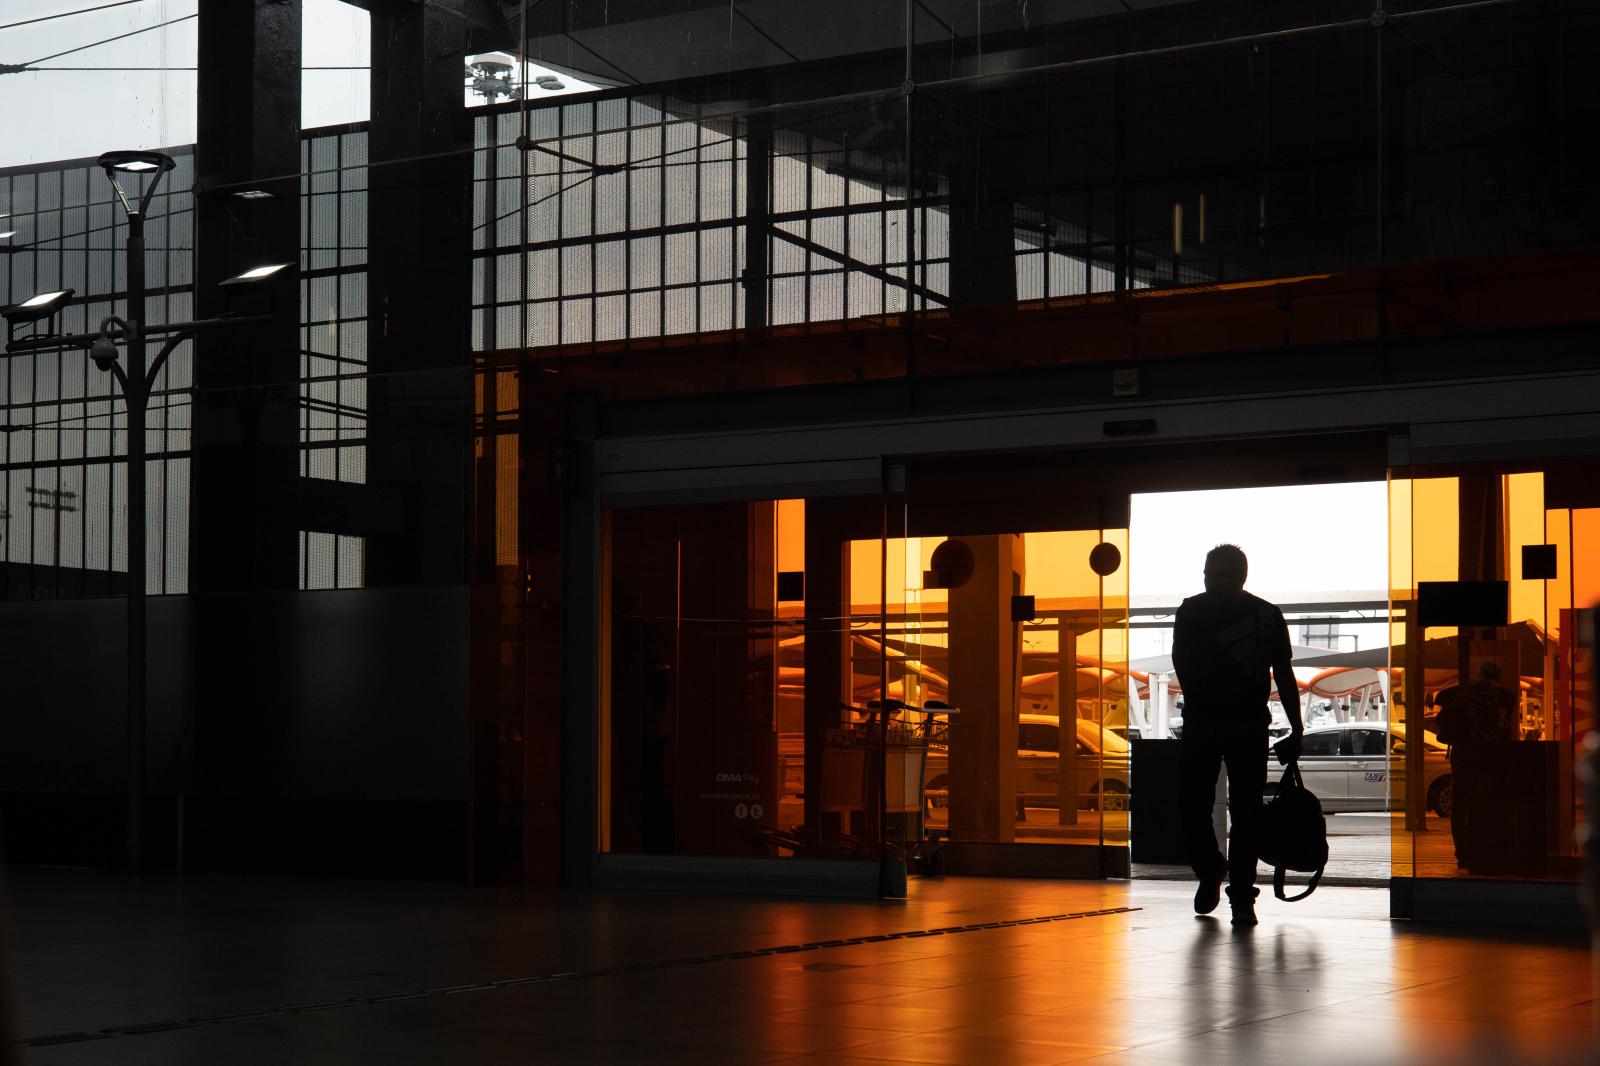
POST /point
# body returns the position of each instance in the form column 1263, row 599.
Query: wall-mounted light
column 256, row 275
column 44, row 305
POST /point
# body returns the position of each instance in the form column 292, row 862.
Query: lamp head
column 44, row 305
column 153, row 164
column 135, row 162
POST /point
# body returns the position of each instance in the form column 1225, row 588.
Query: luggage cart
column 905, row 778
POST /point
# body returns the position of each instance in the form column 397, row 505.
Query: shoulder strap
column 1277, row 884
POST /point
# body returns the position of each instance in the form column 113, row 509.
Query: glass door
column 1007, row 638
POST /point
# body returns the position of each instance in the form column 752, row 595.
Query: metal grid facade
column 333, row 338
column 630, row 221
column 63, row 452
column 64, row 448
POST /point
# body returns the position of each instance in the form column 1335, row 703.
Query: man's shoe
column 1244, row 905
column 1207, row 896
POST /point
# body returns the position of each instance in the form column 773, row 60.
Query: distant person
column 1472, row 719
column 1225, row 644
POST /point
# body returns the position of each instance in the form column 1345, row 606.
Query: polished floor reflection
column 325, row 972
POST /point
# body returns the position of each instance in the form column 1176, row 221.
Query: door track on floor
column 570, row 975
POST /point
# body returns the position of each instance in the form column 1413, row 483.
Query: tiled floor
column 1327, row 980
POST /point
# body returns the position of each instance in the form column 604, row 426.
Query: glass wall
column 726, row 726
column 835, row 678
column 1493, row 569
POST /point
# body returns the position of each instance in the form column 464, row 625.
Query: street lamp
column 136, row 381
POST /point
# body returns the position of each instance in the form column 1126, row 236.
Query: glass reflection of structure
column 752, row 647
column 1534, row 528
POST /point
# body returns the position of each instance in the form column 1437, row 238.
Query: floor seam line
column 140, row 1028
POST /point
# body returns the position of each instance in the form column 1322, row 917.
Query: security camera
column 104, row 353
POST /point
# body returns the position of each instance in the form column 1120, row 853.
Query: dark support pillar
column 758, row 214
column 419, row 295
column 580, row 624
column 982, row 226
column 983, row 672
column 246, row 420
column 827, row 647
column 1480, row 549
column 243, row 546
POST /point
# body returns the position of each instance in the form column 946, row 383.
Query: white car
column 1347, row 766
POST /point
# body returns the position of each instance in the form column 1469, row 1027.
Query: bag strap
column 1291, row 773
column 1277, row 884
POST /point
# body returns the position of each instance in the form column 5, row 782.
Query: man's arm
column 1182, row 646
column 1288, row 688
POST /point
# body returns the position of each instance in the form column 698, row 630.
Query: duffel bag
column 1294, row 834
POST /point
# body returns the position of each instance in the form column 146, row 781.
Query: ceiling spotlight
column 256, row 274
column 36, row 307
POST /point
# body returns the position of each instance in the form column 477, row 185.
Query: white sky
column 56, row 114
column 1299, row 539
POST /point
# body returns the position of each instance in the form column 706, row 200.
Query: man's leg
column 1246, row 758
column 1198, row 766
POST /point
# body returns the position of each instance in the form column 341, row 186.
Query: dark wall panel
column 62, row 720
column 381, row 694
column 346, row 757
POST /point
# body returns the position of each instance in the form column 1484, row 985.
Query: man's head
column 1226, row 569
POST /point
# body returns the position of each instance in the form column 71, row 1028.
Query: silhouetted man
column 1473, row 719
column 1225, row 644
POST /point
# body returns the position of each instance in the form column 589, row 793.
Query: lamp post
column 136, row 394
column 136, row 381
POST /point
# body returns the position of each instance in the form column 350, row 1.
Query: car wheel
column 1441, row 797
column 1116, row 795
